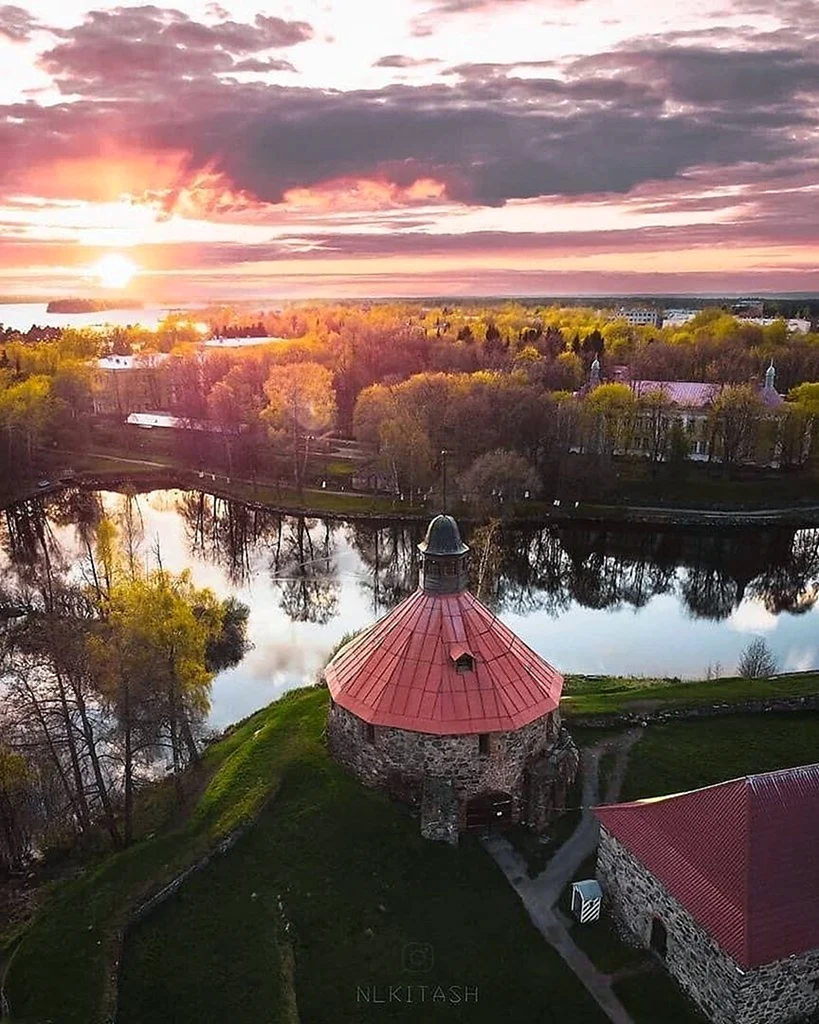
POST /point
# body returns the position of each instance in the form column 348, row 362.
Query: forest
column 495, row 386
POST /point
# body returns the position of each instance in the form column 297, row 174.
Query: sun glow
column 114, row 270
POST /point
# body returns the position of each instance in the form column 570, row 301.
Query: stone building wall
column 776, row 993
column 787, row 990
column 634, row 897
column 398, row 760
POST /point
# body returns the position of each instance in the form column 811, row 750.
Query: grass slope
column 363, row 894
column 61, row 970
column 592, row 695
column 678, row 756
column 358, row 887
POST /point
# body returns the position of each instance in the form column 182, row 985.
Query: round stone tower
column 442, row 706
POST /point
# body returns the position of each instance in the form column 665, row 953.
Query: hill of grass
column 677, row 756
column 328, row 901
column 595, row 695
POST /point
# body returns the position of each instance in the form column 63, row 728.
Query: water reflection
column 589, row 598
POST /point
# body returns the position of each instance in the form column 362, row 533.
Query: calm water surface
column 589, row 600
column 22, row 315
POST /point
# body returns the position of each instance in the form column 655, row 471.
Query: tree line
column 511, row 368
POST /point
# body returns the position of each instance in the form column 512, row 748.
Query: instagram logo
column 417, row 957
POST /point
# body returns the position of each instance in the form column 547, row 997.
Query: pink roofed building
column 440, row 704
column 723, row 884
column 770, row 442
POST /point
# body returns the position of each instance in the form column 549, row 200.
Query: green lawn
column 591, row 695
column 60, row 971
column 678, row 756
column 364, row 898
column 363, row 894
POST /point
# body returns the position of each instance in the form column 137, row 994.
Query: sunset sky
column 410, row 147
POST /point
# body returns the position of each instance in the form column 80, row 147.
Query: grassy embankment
column 358, row 887
column 265, row 493
column 598, row 695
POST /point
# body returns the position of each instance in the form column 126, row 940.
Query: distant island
column 91, row 305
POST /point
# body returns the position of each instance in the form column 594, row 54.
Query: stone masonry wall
column 787, row 990
column 634, row 897
column 399, row 760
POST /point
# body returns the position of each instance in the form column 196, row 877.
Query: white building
column 678, row 317
column 641, row 317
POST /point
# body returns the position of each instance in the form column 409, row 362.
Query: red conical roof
column 402, row 671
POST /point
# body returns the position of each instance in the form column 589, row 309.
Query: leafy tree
column 16, row 796
column 653, row 409
column 406, row 452
column 300, row 400
column 612, row 409
column 806, row 396
column 734, row 419
column 498, row 478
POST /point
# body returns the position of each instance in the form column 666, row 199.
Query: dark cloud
column 709, row 77
column 605, row 124
column 396, row 60
column 261, row 65
column 131, row 51
column 16, row 23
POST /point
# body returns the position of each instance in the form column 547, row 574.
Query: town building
column 640, row 317
column 678, row 317
column 690, row 404
column 443, row 707
column 722, row 884
column 126, row 382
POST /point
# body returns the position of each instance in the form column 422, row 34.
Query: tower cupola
column 443, row 558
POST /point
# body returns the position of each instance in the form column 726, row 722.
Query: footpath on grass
column 103, row 470
column 541, row 894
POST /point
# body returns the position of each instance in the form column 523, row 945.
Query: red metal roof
column 401, row 672
column 741, row 857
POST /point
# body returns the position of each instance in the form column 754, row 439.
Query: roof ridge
column 746, row 873
column 713, row 785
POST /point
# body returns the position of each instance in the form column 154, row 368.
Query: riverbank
column 104, row 472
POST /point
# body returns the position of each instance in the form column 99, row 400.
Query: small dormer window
column 464, row 663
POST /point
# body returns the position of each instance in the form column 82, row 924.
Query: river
column 590, row 600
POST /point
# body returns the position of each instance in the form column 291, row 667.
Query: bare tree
column 756, row 661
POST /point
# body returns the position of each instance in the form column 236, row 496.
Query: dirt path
column 541, row 894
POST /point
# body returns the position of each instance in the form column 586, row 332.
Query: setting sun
column 114, row 270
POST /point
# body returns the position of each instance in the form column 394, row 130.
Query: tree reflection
column 515, row 569
column 793, row 584
column 228, row 533
column 390, row 553
column 305, row 570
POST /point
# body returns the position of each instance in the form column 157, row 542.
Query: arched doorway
column 659, row 937
column 488, row 810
